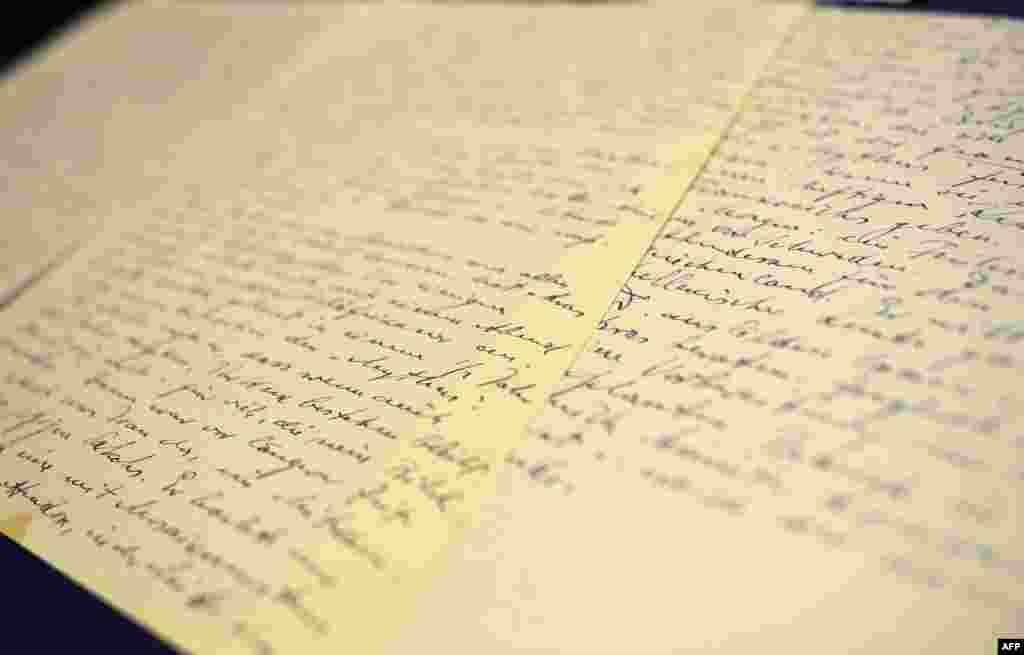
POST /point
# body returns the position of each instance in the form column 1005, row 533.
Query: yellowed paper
column 799, row 425
column 259, row 406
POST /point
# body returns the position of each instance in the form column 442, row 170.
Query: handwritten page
column 257, row 408
column 94, row 120
column 798, row 426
